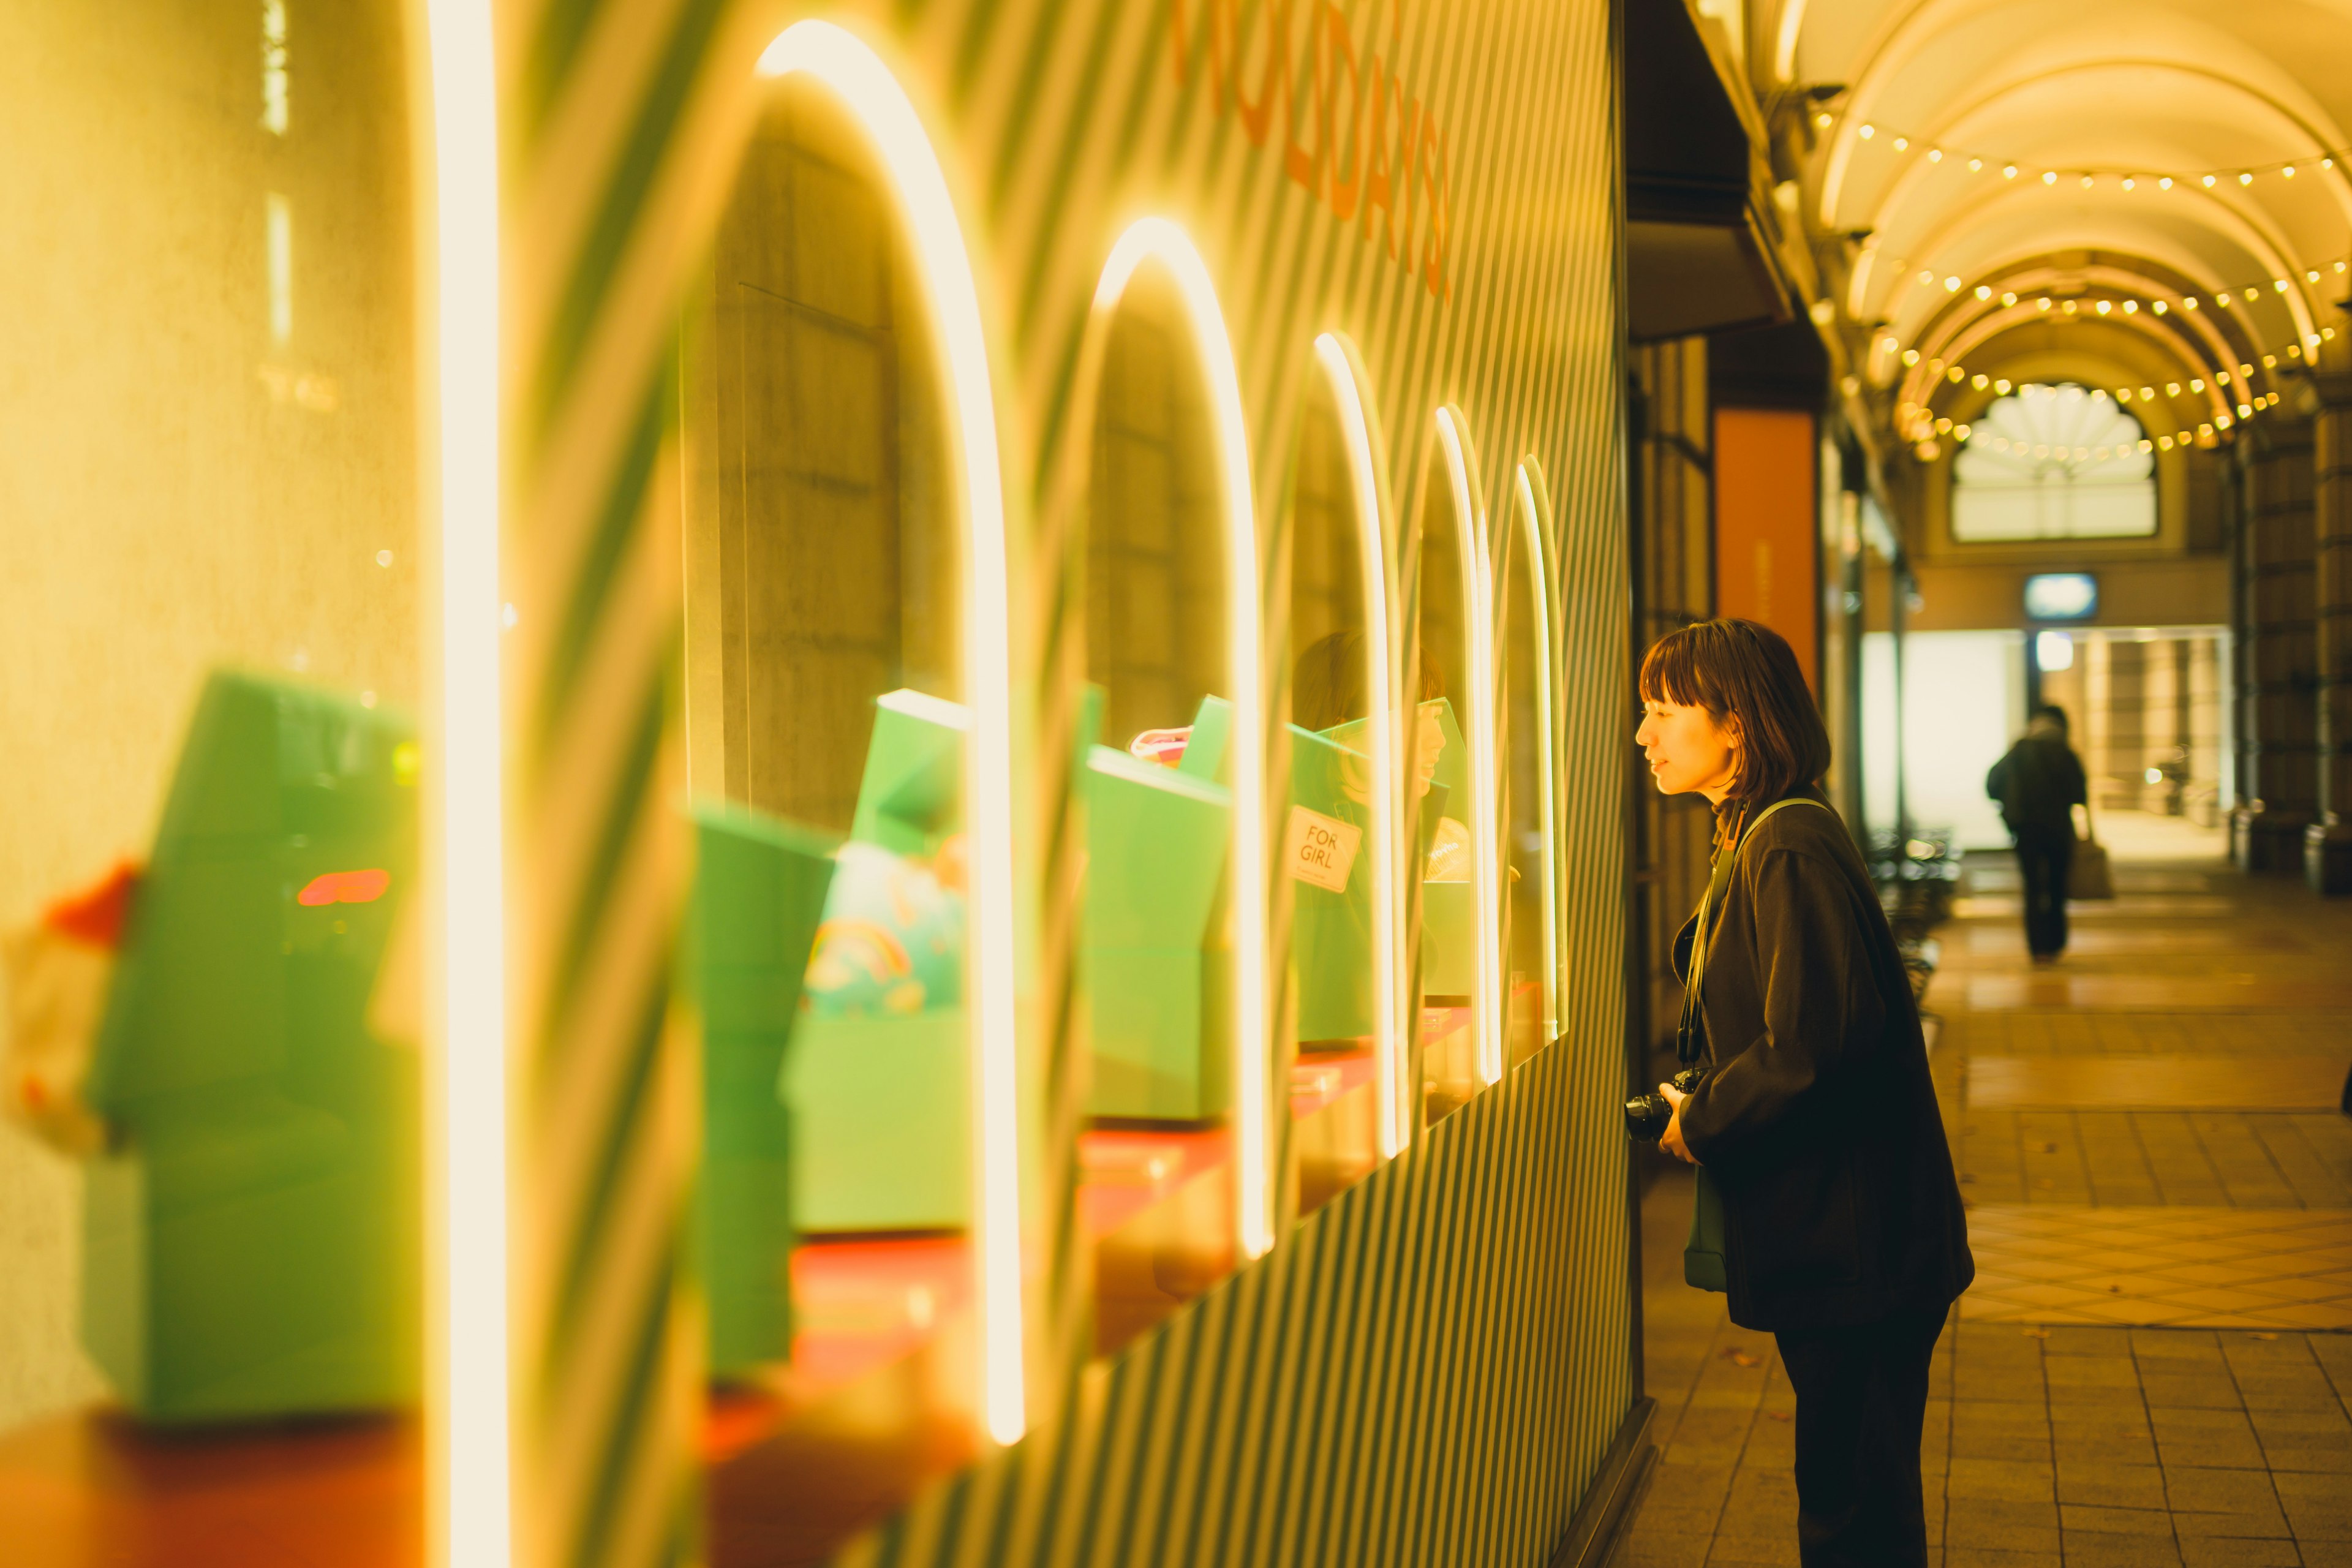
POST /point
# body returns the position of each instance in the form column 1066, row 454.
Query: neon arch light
column 1534, row 504
column 864, row 85
column 1159, row 240
column 1360, row 433
column 469, row 1457
column 1479, row 685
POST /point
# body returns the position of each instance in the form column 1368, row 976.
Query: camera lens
column 1646, row 1116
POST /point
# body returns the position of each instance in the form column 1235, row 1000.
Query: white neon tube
column 1540, row 618
column 467, row 1411
column 845, row 65
column 1358, row 434
column 1487, row 997
column 1160, row 240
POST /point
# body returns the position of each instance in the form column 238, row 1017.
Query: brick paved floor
column 2052, row 1439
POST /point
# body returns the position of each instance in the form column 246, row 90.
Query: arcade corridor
column 2153, row 1365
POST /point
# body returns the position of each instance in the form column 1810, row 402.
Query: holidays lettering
column 1371, row 145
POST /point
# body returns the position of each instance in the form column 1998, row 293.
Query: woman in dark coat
column 1845, row 1234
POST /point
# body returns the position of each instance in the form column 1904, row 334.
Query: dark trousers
column 2042, row 856
column 1862, row 1395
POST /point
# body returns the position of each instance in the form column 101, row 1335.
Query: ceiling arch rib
column 2222, row 336
column 2260, row 249
column 1920, row 387
column 1980, row 123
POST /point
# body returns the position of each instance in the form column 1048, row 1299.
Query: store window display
column 828, row 740
column 1339, row 936
column 1464, row 909
column 1525, row 749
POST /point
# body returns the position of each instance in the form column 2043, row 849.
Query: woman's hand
column 1672, row 1140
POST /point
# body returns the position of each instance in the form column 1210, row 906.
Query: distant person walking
column 2039, row 784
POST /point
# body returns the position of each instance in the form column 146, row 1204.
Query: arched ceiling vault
column 2229, row 120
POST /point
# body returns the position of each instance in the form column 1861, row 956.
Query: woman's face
column 1686, row 749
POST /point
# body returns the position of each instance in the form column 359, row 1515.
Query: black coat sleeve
column 1820, row 1005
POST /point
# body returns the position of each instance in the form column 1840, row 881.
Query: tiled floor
column 2060, row 1432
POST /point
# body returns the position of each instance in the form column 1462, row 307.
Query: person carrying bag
column 1829, row 1208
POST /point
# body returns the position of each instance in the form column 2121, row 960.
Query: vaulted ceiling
column 2129, row 192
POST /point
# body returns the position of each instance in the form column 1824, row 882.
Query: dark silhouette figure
column 2039, row 784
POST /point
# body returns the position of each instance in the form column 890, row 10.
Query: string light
column 2285, row 169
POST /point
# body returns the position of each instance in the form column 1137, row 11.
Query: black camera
column 1646, row 1115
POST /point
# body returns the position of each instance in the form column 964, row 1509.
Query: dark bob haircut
column 1749, row 673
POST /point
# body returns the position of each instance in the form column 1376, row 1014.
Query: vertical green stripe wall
column 1431, row 1369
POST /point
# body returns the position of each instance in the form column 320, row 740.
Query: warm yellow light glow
column 1360, row 435
column 466, row 1259
column 864, row 86
column 1160, row 240
column 1534, row 506
column 1479, row 683
column 279, row 248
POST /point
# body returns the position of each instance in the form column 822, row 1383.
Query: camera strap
column 1690, row 1035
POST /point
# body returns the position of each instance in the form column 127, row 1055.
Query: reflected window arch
column 2054, row 462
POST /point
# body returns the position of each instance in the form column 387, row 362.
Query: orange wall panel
column 1765, row 526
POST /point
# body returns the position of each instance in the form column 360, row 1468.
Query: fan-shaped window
column 2054, row 462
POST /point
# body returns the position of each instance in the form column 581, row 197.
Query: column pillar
column 2327, row 842
column 2281, row 738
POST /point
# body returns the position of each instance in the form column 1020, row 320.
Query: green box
column 880, row 1102
column 252, row 1242
column 758, row 891
column 1157, row 957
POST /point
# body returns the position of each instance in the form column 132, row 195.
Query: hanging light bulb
column 2270, row 361
column 1926, row 277
column 2127, row 181
column 1984, row 290
column 2071, row 307
column 2171, row 389
column 1934, row 154
column 1902, row 143
column 2252, row 293
column 2131, row 307
column 1951, row 285
column 2165, row 442
column 2221, row 422
column 2279, row 284
column 2087, row 181
column 2103, row 306
column 2245, row 372
column 1975, row 164
column 2288, row 172
column 2042, row 303
column 2008, row 299
column 2188, row 302
column 2049, row 176
column 2312, row 275
column 2002, row 387
column 1824, row 121
column 1910, row 356
column 2209, row 182
column 2150, row 393
column 1980, row 381
column 2164, row 183
column 1956, row 375
column 1867, row 131
column 2196, row 384
column 2245, row 411
column 2221, row 301
column 2122, row 395
column 2245, row 179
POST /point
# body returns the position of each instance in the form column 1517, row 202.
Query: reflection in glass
column 210, row 1194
